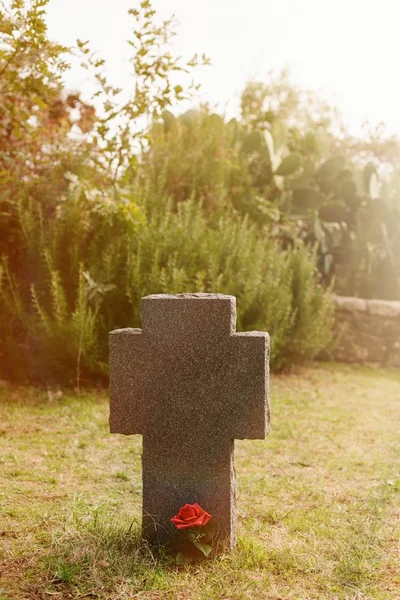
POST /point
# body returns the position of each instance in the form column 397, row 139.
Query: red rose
column 190, row 515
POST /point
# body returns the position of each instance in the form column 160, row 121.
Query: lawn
column 318, row 502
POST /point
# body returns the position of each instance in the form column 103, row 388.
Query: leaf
column 168, row 119
column 204, row 548
column 6, row 27
column 349, row 189
column 269, row 140
column 332, row 166
column 310, row 143
column 279, row 182
column 253, row 142
column 371, row 181
column 305, row 177
column 374, row 187
column 190, row 117
column 289, row 165
column 335, row 212
column 214, row 120
column 307, row 198
column 279, row 133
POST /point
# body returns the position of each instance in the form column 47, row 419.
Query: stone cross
column 190, row 385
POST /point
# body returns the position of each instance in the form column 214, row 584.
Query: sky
column 347, row 50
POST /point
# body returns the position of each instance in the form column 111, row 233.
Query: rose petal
column 187, row 511
column 190, row 516
column 206, row 518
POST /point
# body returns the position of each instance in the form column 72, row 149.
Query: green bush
column 276, row 290
column 98, row 209
column 94, row 262
column 199, row 155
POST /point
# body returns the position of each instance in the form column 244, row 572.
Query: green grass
column 318, row 501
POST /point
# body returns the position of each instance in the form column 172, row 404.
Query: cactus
column 289, row 165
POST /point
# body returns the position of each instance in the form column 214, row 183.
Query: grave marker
column 190, row 385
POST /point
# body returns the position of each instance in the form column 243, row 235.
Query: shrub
column 276, row 290
column 92, row 281
column 199, row 155
column 100, row 209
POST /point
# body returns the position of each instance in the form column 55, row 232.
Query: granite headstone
column 190, row 385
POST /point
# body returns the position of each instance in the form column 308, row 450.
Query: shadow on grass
column 100, row 554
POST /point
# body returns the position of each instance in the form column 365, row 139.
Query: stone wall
column 368, row 331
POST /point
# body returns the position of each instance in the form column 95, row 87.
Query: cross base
column 185, row 473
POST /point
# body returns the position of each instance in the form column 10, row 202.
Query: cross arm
column 250, row 389
column 127, row 381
